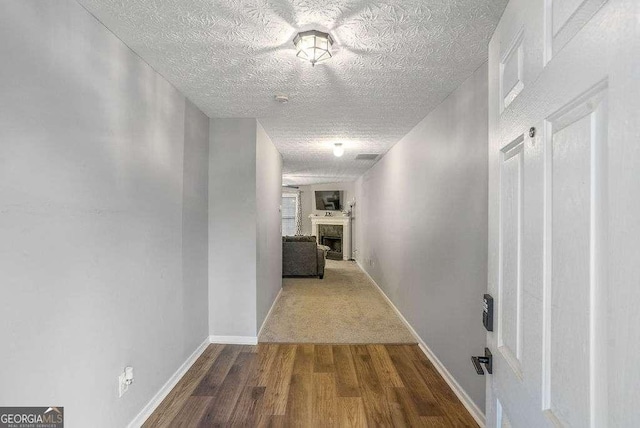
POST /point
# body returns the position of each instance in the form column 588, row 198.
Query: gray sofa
column 301, row 256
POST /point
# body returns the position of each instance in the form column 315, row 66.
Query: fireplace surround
column 327, row 230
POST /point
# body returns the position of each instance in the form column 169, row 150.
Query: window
column 289, row 213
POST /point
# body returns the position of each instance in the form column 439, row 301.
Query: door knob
column 487, row 360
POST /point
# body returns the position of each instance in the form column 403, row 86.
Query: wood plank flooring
column 309, row 385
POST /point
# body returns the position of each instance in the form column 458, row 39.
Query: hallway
column 470, row 166
column 344, row 307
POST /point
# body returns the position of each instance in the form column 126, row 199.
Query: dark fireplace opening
column 335, row 247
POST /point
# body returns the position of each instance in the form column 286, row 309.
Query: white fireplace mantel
column 344, row 221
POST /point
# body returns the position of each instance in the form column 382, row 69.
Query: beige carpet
column 344, row 307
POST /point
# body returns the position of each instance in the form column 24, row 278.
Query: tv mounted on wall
column 328, row 200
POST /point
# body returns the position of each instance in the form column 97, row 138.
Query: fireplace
column 333, row 227
column 335, row 246
column 331, row 236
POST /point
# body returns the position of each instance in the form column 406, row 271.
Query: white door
column 564, row 214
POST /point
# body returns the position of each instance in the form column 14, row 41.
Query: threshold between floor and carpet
column 345, row 308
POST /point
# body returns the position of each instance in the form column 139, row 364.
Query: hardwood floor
column 311, row 385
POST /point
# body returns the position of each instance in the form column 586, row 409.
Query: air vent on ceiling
column 367, row 156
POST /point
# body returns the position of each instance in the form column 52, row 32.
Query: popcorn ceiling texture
column 393, row 62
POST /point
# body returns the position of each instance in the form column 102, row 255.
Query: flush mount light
column 338, row 150
column 313, row 45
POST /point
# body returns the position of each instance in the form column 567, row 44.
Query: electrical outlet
column 124, row 380
column 123, row 386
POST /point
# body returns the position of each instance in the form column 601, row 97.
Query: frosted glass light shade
column 338, row 150
column 313, row 45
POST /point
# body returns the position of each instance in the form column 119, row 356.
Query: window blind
column 289, row 215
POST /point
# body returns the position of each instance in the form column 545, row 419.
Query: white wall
column 269, row 242
column 101, row 199
column 232, row 227
column 422, row 228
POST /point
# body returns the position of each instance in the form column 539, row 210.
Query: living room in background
column 291, row 214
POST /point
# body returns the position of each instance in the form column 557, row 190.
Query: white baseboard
column 144, row 414
column 472, row 407
column 468, row 403
column 234, row 340
column 269, row 313
column 168, row 386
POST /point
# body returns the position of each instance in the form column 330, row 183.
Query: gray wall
column 195, row 226
column 99, row 177
column 422, row 228
column 269, row 242
column 232, row 227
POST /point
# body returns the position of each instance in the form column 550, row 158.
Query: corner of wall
column 232, row 227
column 269, row 221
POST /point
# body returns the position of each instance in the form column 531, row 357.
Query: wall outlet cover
column 122, row 385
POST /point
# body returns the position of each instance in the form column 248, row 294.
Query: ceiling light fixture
column 313, row 45
column 338, row 150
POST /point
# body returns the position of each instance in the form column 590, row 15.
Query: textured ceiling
column 393, row 62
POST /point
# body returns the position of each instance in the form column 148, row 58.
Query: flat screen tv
column 328, row 200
